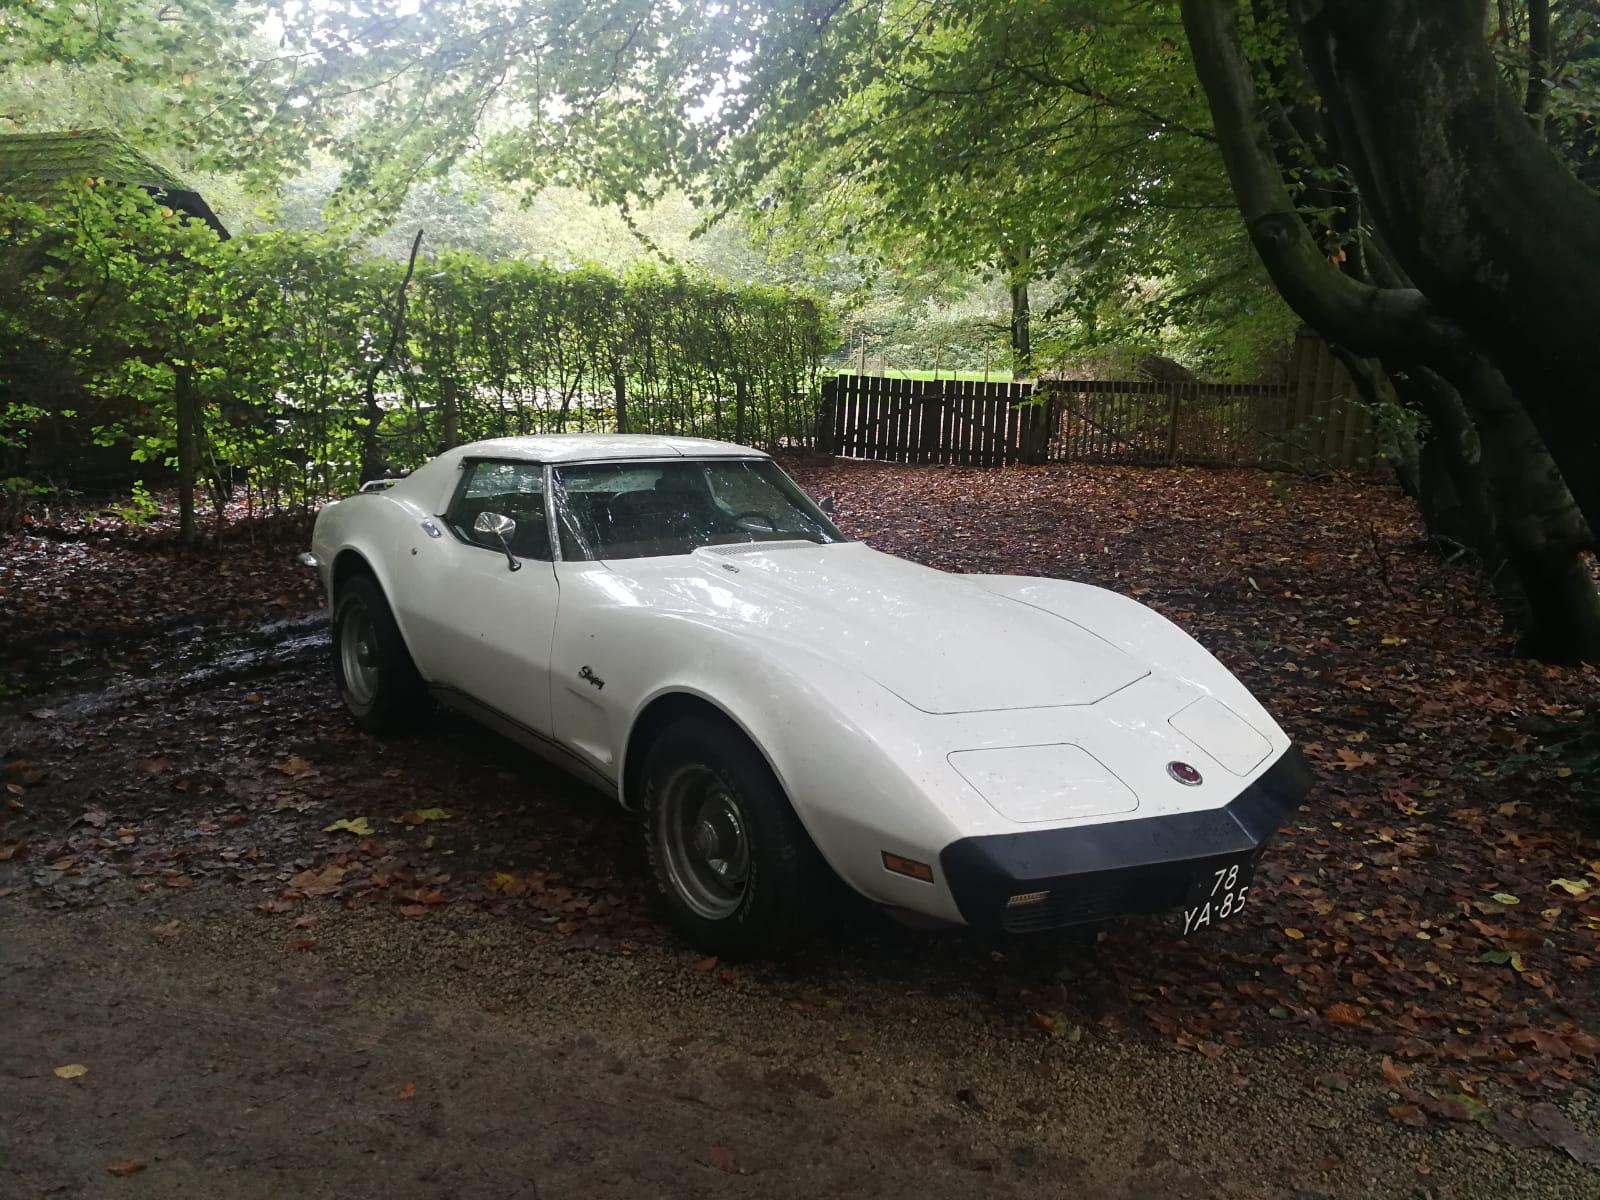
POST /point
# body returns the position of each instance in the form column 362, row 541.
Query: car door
column 487, row 626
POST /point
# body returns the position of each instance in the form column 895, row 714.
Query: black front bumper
column 1095, row 872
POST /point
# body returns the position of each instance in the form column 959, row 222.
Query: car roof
column 591, row 447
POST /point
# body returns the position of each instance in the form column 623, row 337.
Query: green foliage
column 140, row 508
column 17, row 492
column 116, row 296
column 1061, row 142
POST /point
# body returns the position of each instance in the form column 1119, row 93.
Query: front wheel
column 737, row 872
column 377, row 680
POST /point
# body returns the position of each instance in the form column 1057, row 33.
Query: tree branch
column 1369, row 320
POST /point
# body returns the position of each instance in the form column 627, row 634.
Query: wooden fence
column 1314, row 423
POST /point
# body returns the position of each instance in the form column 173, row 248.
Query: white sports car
column 674, row 621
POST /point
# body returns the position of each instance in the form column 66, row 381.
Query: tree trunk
column 372, row 466
column 1543, row 534
column 1537, row 101
column 1453, row 488
column 1018, row 266
column 449, row 411
column 1447, row 478
column 1515, row 511
column 619, row 391
column 1021, row 332
column 1476, row 208
column 187, row 420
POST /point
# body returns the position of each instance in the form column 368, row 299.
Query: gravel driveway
column 458, row 1058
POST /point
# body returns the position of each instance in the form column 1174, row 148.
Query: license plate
column 1218, row 894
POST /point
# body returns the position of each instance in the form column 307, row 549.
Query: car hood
column 941, row 642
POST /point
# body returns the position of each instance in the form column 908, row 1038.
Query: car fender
column 857, row 793
column 375, row 527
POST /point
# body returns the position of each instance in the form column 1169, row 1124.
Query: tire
column 377, row 680
column 765, row 900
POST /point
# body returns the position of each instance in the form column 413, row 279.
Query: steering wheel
column 753, row 515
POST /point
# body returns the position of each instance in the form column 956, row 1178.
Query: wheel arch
column 352, row 561
column 348, row 563
column 661, row 711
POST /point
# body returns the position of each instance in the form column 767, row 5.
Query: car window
column 512, row 489
column 629, row 510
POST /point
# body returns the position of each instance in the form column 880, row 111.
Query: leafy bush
column 115, row 304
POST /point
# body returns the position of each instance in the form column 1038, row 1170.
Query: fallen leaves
column 1343, row 1014
column 72, row 1071
column 1350, row 760
column 1041, row 1021
column 128, row 1166
column 322, row 881
column 722, row 1158
column 1384, row 895
column 1408, row 1114
column 359, row 826
column 1547, row 1125
column 407, row 1092
column 1394, row 1074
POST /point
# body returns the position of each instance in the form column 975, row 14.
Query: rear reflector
column 1026, row 898
column 907, row 866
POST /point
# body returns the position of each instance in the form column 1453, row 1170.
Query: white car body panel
column 901, row 708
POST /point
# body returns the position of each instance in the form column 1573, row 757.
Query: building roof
column 589, row 447
column 33, row 165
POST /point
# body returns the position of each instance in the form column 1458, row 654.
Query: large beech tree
column 1532, row 536
column 1473, row 202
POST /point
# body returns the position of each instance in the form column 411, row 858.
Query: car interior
column 518, row 501
column 639, row 512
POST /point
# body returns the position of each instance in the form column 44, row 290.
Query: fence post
column 1173, row 390
column 932, row 405
column 1034, row 426
column 825, row 415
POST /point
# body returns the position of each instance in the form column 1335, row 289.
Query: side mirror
column 827, row 505
column 499, row 527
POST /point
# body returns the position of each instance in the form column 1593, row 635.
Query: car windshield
column 645, row 510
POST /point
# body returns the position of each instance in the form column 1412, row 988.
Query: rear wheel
column 737, row 872
column 377, row 680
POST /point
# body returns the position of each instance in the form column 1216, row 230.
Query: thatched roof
column 34, row 165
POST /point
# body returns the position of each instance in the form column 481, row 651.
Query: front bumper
column 1119, row 868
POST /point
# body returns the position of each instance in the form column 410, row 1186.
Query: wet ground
column 299, row 961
